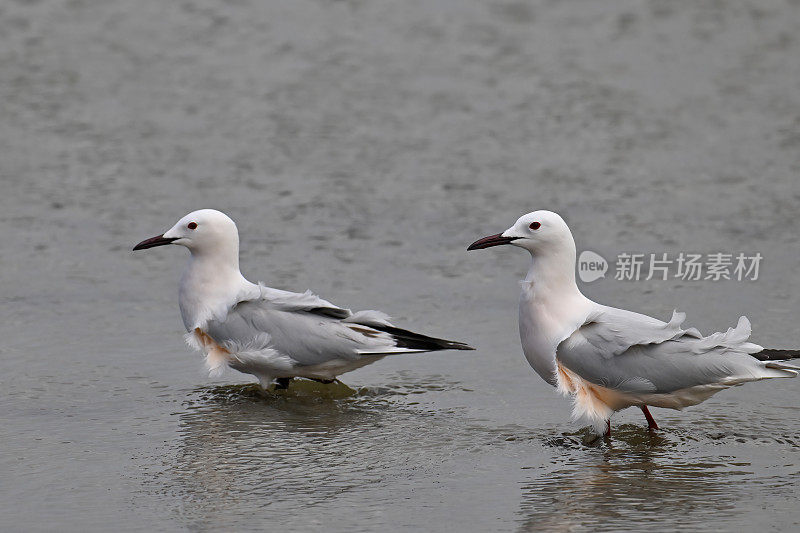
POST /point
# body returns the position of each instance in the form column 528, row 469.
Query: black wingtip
column 769, row 354
column 455, row 345
column 416, row 341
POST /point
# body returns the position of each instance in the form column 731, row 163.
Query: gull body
column 608, row 359
column 271, row 333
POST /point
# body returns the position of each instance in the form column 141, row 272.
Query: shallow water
column 360, row 146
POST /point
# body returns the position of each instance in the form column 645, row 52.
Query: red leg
column 608, row 429
column 651, row 422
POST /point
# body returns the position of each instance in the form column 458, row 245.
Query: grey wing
column 296, row 301
column 308, row 302
column 307, row 337
column 639, row 354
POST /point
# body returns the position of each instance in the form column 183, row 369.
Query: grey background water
column 361, row 146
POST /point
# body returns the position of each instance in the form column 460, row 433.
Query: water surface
column 361, row 146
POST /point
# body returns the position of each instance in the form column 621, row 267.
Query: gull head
column 203, row 231
column 539, row 232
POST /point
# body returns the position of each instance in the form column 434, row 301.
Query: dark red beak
column 152, row 242
column 491, row 240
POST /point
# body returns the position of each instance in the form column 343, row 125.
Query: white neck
column 552, row 274
column 551, row 307
column 210, row 285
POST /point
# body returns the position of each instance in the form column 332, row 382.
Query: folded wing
column 312, row 331
column 635, row 353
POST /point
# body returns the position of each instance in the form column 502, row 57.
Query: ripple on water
column 332, row 446
column 677, row 476
column 241, row 446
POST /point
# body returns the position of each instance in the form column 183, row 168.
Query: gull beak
column 491, row 240
column 152, row 242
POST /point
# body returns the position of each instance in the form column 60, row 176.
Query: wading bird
column 608, row 359
column 271, row 333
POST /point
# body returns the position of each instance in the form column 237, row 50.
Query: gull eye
column 192, row 225
column 535, row 225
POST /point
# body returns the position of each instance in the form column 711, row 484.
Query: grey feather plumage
column 635, row 353
column 310, row 338
column 312, row 331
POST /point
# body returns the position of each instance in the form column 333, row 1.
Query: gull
column 608, row 359
column 271, row 333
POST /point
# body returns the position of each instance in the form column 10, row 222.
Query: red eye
column 535, row 225
column 192, row 225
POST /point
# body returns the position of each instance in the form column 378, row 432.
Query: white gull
column 608, row 359
column 271, row 333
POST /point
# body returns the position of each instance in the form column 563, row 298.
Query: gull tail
column 769, row 354
column 415, row 341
